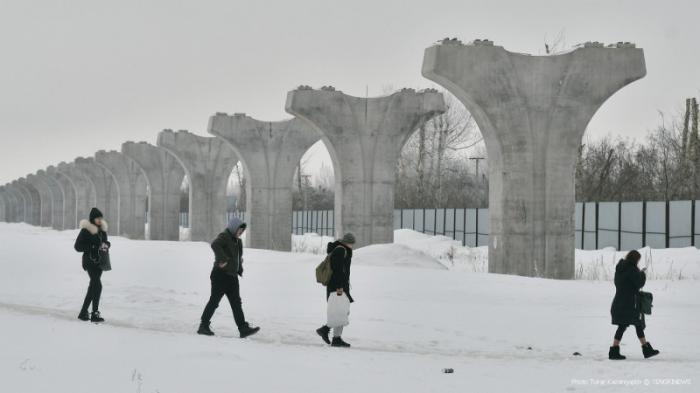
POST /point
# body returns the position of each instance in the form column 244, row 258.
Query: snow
column 412, row 318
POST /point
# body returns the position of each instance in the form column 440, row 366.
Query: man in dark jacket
column 625, row 309
column 228, row 265
column 92, row 239
column 340, row 254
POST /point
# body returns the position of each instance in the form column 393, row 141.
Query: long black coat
column 341, row 259
column 625, row 308
column 89, row 241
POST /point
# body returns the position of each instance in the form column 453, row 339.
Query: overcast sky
column 79, row 76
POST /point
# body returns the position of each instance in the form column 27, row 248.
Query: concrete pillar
column 4, row 205
column 532, row 112
column 208, row 163
column 270, row 153
column 56, row 198
column 70, row 203
column 131, row 189
column 85, row 194
column 33, row 202
column 46, row 211
column 164, row 176
column 364, row 137
column 105, row 190
column 17, row 204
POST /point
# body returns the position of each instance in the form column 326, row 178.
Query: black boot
column 204, row 329
column 323, row 331
column 614, row 354
column 84, row 316
column 648, row 351
column 338, row 342
column 95, row 317
column 248, row 331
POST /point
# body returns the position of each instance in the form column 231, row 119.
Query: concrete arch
column 106, row 194
column 85, row 193
column 270, row 152
column 131, row 190
column 163, row 176
column 57, row 205
column 532, row 112
column 364, row 137
column 70, row 203
column 208, row 163
column 33, row 202
column 17, row 205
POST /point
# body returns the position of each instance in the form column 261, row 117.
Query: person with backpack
column 92, row 242
column 334, row 273
column 626, row 309
column 228, row 265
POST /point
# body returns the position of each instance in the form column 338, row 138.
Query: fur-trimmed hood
column 92, row 228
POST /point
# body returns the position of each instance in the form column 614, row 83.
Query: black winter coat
column 228, row 248
column 89, row 241
column 625, row 308
column 341, row 259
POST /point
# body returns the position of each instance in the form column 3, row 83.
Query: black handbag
column 646, row 300
column 104, row 262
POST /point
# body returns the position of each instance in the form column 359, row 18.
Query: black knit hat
column 95, row 213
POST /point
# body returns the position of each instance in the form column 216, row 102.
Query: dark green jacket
column 228, row 248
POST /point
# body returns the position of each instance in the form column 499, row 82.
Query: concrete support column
column 56, row 197
column 85, row 193
column 208, row 163
column 270, row 152
column 364, row 137
column 131, row 188
column 164, row 176
column 32, row 202
column 532, row 112
column 4, row 205
column 106, row 195
column 46, row 211
column 70, row 203
column 17, row 204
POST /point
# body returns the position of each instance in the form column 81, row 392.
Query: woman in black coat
column 91, row 240
column 625, row 309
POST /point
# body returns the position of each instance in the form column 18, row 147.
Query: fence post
column 644, row 223
column 401, row 219
column 423, row 229
column 464, row 228
column 619, row 226
column 596, row 225
column 435, row 221
column 454, row 223
column 692, row 222
column 583, row 225
column 476, row 228
column 668, row 234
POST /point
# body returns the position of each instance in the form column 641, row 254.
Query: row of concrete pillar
column 532, row 111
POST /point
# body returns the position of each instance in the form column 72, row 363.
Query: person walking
column 625, row 309
column 92, row 241
column 228, row 265
column 340, row 255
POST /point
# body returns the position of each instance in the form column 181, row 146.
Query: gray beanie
column 348, row 238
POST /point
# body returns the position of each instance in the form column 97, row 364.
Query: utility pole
column 477, row 159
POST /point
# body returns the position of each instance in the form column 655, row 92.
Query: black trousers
column 621, row 330
column 224, row 284
column 94, row 290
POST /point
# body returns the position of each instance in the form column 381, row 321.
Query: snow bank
column 662, row 264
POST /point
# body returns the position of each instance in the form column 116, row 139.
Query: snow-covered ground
column 412, row 318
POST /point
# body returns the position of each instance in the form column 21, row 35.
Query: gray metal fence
column 623, row 225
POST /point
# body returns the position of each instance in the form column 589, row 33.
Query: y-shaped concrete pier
column 164, row 176
column 364, row 137
column 16, row 203
column 208, row 163
column 56, row 199
column 85, row 194
column 46, row 211
column 70, row 218
column 131, row 189
column 270, row 152
column 106, row 194
column 6, row 205
column 532, row 112
column 32, row 201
